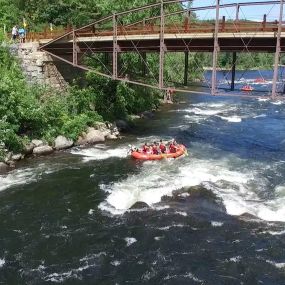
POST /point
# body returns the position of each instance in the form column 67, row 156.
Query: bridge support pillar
column 216, row 50
column 233, row 71
column 277, row 53
column 74, row 50
column 186, row 67
column 115, row 47
column 161, row 48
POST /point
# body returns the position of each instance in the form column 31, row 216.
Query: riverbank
column 97, row 134
column 36, row 118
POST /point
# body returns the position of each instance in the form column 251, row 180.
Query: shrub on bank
column 29, row 112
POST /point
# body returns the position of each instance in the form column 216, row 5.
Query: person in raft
column 162, row 147
column 173, row 147
column 155, row 148
column 145, row 148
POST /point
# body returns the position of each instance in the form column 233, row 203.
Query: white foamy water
column 101, row 152
column 232, row 119
column 277, row 102
column 237, row 186
column 2, row 262
column 206, row 112
column 130, row 240
column 263, row 99
column 216, row 224
column 278, row 265
column 17, row 177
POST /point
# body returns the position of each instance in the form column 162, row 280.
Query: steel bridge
column 167, row 27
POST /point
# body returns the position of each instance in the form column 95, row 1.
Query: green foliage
column 36, row 112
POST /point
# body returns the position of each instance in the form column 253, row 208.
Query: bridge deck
column 197, row 37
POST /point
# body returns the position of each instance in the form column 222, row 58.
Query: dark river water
column 216, row 216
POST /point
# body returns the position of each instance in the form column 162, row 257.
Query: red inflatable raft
column 181, row 149
column 247, row 88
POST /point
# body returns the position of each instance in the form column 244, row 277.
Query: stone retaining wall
column 38, row 66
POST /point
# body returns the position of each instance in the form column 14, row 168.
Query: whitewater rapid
column 239, row 182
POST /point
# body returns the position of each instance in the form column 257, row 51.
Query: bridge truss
column 144, row 45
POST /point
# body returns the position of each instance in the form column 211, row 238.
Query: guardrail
column 178, row 28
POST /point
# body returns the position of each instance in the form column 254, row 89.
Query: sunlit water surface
column 67, row 218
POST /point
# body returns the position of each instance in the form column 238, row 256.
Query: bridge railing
column 47, row 34
column 175, row 28
column 178, row 28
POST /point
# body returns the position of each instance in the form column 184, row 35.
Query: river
column 66, row 218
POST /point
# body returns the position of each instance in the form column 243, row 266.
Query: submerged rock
column 197, row 197
column 147, row 114
column 62, row 142
column 43, row 150
column 139, row 205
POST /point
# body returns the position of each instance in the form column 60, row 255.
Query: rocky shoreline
column 97, row 134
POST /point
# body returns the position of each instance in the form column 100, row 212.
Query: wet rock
column 122, row 125
column 196, row 197
column 139, row 205
column 100, row 126
column 8, row 157
column 17, row 157
column 11, row 164
column 94, row 136
column 28, row 148
column 3, row 167
column 147, row 114
column 37, row 143
column 91, row 137
column 134, row 117
column 62, row 142
column 81, row 140
column 111, row 137
column 43, row 150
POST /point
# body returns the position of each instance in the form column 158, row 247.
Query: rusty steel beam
column 277, row 53
column 216, row 48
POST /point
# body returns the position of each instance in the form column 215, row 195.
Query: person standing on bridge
column 22, row 35
column 14, row 33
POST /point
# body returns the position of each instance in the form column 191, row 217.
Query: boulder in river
column 147, row 114
column 111, row 137
column 139, row 205
column 91, row 137
column 94, row 136
column 62, row 142
column 43, row 150
column 122, row 125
